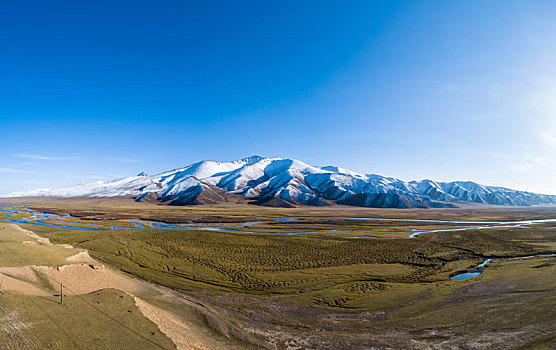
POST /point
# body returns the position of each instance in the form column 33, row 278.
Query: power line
column 111, row 318
column 42, row 310
column 90, row 305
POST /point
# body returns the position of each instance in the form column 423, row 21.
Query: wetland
column 323, row 278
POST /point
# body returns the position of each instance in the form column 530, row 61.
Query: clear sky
column 448, row 90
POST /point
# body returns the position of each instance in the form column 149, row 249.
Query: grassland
column 99, row 310
column 31, row 316
column 100, row 320
column 331, row 292
column 17, row 246
column 267, row 264
column 93, row 223
column 125, row 208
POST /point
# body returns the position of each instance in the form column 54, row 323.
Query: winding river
column 38, row 218
column 477, row 270
column 55, row 220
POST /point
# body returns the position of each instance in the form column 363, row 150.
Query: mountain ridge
column 290, row 182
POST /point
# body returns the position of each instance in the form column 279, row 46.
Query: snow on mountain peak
column 278, row 181
column 252, row 159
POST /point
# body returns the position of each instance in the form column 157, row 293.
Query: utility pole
column 61, row 293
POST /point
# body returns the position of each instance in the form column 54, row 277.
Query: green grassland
column 103, row 319
column 82, row 222
column 91, row 224
column 100, row 320
column 126, row 208
column 81, row 322
column 271, row 263
column 359, row 228
column 332, row 292
column 14, row 252
column 20, row 216
column 403, row 281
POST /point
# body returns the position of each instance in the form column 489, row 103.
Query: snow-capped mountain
column 286, row 182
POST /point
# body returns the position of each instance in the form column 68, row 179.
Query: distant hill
column 289, row 182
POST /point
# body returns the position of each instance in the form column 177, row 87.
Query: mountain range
column 289, row 182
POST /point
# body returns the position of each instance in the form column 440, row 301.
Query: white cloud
column 11, row 171
column 92, row 177
column 115, row 176
column 523, row 163
column 41, row 157
column 548, row 138
column 122, row 159
column 33, row 182
column 526, row 165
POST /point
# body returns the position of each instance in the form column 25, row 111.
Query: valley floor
column 216, row 283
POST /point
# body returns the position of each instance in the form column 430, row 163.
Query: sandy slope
column 37, row 239
column 181, row 334
column 13, row 285
column 84, row 275
column 81, row 257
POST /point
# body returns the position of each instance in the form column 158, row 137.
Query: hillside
column 289, row 182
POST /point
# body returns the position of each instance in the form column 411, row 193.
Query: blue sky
column 448, row 90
